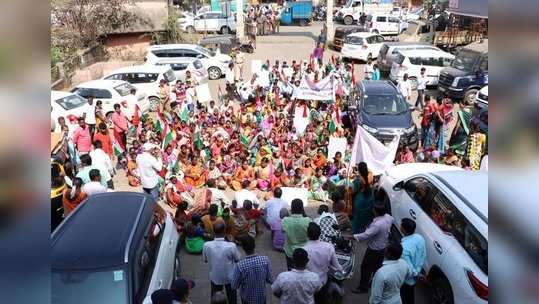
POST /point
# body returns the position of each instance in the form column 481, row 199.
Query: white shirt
column 190, row 95
column 322, row 258
column 297, row 286
column 368, row 70
column 421, row 82
column 222, row 256
column 405, row 88
column 229, row 76
column 89, row 109
column 101, row 159
column 148, row 167
column 218, row 196
column 243, row 195
column 92, row 188
column 273, row 208
column 387, row 282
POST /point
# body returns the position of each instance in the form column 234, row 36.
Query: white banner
column 321, row 90
column 336, row 144
column 203, row 93
column 256, row 66
column 368, row 149
column 290, row 193
column 300, row 122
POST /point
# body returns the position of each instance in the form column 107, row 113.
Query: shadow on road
column 298, row 34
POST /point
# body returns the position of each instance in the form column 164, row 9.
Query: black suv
column 383, row 111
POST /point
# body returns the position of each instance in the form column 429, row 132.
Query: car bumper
column 450, row 91
column 347, row 52
column 411, row 140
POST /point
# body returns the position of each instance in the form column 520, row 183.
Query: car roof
column 144, row 68
column 101, row 231
column 404, row 171
column 101, row 84
column 406, row 43
column 470, row 187
column 172, row 46
column 362, row 34
column 378, row 87
column 425, row 53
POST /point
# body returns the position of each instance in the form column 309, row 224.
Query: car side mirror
column 398, row 186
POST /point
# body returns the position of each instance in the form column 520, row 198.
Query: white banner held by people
column 368, row 149
column 321, row 90
column 336, row 144
column 290, row 193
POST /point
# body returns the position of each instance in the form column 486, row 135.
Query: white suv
column 181, row 66
column 214, row 22
column 412, row 61
column 215, row 62
column 111, row 92
column 385, row 24
column 146, row 79
column 362, row 46
column 450, row 208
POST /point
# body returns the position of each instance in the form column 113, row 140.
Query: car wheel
column 469, row 96
column 348, row 20
column 225, row 30
column 214, row 73
column 177, row 265
column 441, row 291
column 190, row 29
column 375, row 31
column 302, row 22
column 154, row 103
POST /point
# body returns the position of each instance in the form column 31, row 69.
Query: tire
column 469, row 96
column 190, row 30
column 214, row 73
column 375, row 31
column 348, row 20
column 441, row 291
column 302, row 22
column 154, row 103
column 225, row 30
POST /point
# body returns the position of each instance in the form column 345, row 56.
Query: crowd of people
column 190, row 154
column 261, row 20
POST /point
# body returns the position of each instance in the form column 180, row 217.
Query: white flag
column 368, row 149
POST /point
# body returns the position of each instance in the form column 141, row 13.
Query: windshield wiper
column 380, row 113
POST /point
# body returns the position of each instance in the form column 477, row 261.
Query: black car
column 116, row 247
column 342, row 31
column 383, row 112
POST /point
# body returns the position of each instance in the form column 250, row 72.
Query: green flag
column 198, row 141
column 117, row 149
column 245, row 141
column 332, row 126
column 184, row 115
column 168, row 139
column 158, row 125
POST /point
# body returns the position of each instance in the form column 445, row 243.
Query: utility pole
column 329, row 20
column 240, row 28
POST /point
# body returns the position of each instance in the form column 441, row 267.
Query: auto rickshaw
column 58, row 184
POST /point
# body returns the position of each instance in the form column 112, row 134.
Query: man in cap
column 181, row 288
column 149, row 165
column 162, row 296
column 298, row 285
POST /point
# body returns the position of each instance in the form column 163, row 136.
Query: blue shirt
column 387, row 282
column 414, row 253
column 250, row 276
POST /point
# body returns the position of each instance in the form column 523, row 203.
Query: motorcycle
column 346, row 256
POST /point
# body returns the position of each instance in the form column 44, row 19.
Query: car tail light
column 72, row 118
column 480, row 289
column 364, row 46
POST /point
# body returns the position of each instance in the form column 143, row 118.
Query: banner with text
column 310, row 90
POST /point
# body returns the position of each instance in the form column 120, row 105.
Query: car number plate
column 342, row 257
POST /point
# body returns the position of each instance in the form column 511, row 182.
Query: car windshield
column 465, row 60
column 354, row 40
column 89, row 287
column 169, row 76
column 384, row 104
column 205, row 51
column 124, row 89
column 71, row 102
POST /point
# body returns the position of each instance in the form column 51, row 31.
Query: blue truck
column 219, row 5
column 300, row 12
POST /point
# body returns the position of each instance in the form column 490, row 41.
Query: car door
column 381, row 25
column 393, row 25
column 200, row 23
column 156, row 248
column 375, row 45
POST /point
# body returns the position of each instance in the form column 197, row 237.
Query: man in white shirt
column 102, row 160
column 274, row 206
column 404, row 87
column 299, row 285
column 149, row 165
column 94, row 186
column 89, row 115
column 388, row 280
column 222, row 256
column 322, row 258
column 244, row 194
column 368, row 70
column 190, row 97
column 421, row 87
column 218, row 197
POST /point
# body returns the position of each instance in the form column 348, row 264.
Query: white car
column 186, row 21
column 385, row 24
column 68, row 105
column 481, row 99
column 203, row 9
column 213, row 22
column 146, row 79
column 112, row 92
column 450, row 208
column 215, row 63
column 362, row 46
column 411, row 61
column 181, row 66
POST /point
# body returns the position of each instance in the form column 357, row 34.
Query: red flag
column 257, row 100
column 337, row 115
column 136, row 117
column 305, row 110
column 333, row 60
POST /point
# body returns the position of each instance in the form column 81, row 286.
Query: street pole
column 240, row 30
column 329, row 20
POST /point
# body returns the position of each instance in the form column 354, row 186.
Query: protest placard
column 290, row 193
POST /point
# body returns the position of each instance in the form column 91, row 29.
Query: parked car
column 221, row 43
column 450, row 208
column 383, row 112
column 385, row 24
column 68, row 105
column 352, row 9
column 362, row 46
column 145, row 78
column 467, row 74
column 181, row 66
column 342, row 31
column 412, row 61
column 389, row 50
column 481, row 99
column 111, row 92
column 186, row 22
column 215, row 62
column 213, row 22
column 300, row 12
column 116, row 247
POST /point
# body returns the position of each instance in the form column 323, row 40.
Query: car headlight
column 457, row 79
column 410, row 129
column 370, row 129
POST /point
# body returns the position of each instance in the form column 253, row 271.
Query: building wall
column 129, row 46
